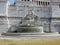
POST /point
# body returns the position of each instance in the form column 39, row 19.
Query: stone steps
column 29, row 34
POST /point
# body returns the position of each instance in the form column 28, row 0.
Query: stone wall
column 3, row 24
column 55, row 25
column 21, row 9
column 3, row 20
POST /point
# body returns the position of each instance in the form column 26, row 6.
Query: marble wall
column 21, row 9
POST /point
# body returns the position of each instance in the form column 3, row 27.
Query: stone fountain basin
column 25, row 29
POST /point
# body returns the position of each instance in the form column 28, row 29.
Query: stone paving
column 29, row 37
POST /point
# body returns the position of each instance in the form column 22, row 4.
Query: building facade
column 3, row 19
column 47, row 10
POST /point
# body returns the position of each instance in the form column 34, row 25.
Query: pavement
column 29, row 37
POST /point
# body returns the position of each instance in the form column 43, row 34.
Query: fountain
column 30, row 24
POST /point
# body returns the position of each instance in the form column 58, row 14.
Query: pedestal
column 41, row 28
